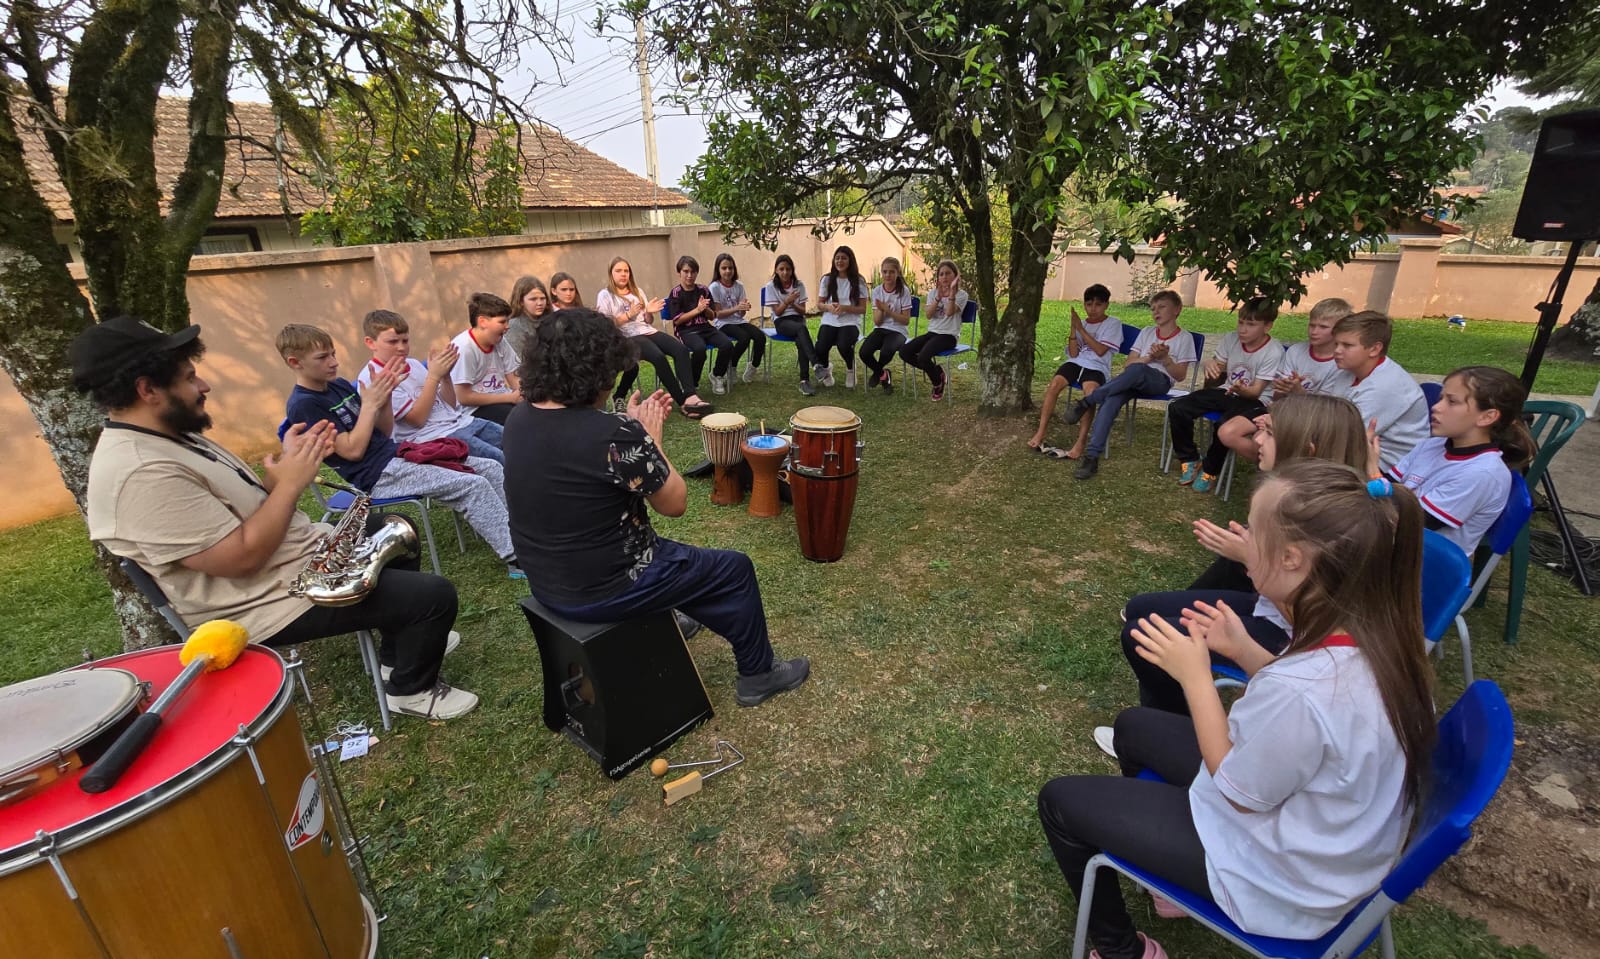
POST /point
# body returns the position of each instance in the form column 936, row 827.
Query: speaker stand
column 1569, row 540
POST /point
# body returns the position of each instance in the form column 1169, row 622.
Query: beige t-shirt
column 155, row 501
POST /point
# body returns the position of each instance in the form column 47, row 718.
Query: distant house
column 565, row 188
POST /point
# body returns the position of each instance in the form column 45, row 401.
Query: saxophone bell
column 346, row 564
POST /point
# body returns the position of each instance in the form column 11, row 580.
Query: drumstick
column 212, row 646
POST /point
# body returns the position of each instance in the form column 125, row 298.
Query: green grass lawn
column 962, row 650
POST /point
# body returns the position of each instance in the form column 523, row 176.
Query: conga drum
column 822, row 478
column 216, row 842
column 765, row 453
column 723, row 436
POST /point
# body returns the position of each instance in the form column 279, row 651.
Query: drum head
column 767, row 441
column 54, row 715
column 825, row 419
column 723, row 422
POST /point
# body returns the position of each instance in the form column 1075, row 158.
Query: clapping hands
column 651, row 411
column 304, row 448
column 1181, row 654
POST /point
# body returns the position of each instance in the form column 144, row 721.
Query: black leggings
column 745, row 337
column 1146, row 823
column 796, row 329
column 879, row 348
column 1157, row 690
column 698, row 341
column 921, row 351
column 842, row 336
column 654, row 348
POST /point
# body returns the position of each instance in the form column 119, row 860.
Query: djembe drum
column 765, row 453
column 723, row 436
column 822, row 478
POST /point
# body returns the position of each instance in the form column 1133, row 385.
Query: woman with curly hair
column 579, row 479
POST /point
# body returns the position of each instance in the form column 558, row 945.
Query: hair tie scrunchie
column 1378, row 488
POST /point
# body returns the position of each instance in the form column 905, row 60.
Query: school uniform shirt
column 1180, row 346
column 158, row 501
column 484, row 369
column 614, row 305
column 1244, row 367
column 1320, row 375
column 771, row 296
column 341, row 405
column 726, row 298
column 1107, row 331
column 443, row 419
column 1318, row 764
column 840, row 293
column 900, row 302
column 681, row 301
column 934, row 309
column 1464, row 488
column 1389, row 395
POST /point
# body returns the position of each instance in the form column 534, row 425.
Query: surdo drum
column 822, row 478
column 723, row 436
column 218, row 841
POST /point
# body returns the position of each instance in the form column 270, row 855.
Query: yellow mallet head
column 220, row 639
column 658, row 766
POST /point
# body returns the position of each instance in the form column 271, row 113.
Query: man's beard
column 185, row 419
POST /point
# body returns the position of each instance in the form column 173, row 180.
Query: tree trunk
column 1580, row 338
column 1006, row 354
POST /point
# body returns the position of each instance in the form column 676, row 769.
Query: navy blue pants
column 715, row 586
column 1157, row 690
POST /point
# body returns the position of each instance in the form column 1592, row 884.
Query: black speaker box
column 622, row 692
column 1562, row 198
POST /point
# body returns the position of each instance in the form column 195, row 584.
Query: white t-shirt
column 613, row 305
column 1321, row 375
column 1180, row 346
column 1315, row 758
column 1245, row 367
column 443, row 419
column 841, row 294
column 726, row 298
column 941, row 319
column 1465, row 490
column 1107, row 331
column 1390, row 396
column 900, row 302
column 483, row 370
column 771, row 296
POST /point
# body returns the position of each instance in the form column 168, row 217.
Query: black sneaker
column 1079, row 409
column 874, row 379
column 1089, row 467
column 807, row 388
column 785, row 674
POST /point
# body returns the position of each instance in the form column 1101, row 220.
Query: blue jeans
column 1137, row 379
column 483, row 438
column 715, row 586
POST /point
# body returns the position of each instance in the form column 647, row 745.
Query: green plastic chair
column 1552, row 424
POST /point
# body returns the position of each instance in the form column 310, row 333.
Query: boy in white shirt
column 1390, row 401
column 1159, row 358
column 485, row 376
column 1090, row 345
column 1239, row 379
column 424, row 400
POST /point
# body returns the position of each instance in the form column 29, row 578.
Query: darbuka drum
column 765, row 453
column 216, row 842
column 723, row 436
column 822, row 478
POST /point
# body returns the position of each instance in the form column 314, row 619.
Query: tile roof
column 557, row 173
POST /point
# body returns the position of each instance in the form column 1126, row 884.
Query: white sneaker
column 719, row 385
column 1104, row 737
column 850, row 378
column 749, row 375
column 443, row 701
column 824, row 375
column 449, row 647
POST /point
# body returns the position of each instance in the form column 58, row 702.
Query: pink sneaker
column 1152, row 949
column 1166, row 909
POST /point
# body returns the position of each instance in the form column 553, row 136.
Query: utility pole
column 651, row 166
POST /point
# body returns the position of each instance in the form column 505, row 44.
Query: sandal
column 695, row 411
column 1054, row 452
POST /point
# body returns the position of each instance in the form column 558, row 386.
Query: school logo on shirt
column 346, row 411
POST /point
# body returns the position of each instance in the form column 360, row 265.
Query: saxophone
column 345, row 564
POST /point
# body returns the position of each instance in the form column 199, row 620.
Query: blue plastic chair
column 969, row 323
column 1469, row 764
column 1446, row 586
column 1431, row 391
column 771, row 331
column 1499, row 539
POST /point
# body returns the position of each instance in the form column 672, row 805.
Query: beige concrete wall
column 241, row 301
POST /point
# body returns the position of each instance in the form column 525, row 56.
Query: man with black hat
column 222, row 543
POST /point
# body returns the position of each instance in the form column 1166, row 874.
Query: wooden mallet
column 212, row 646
